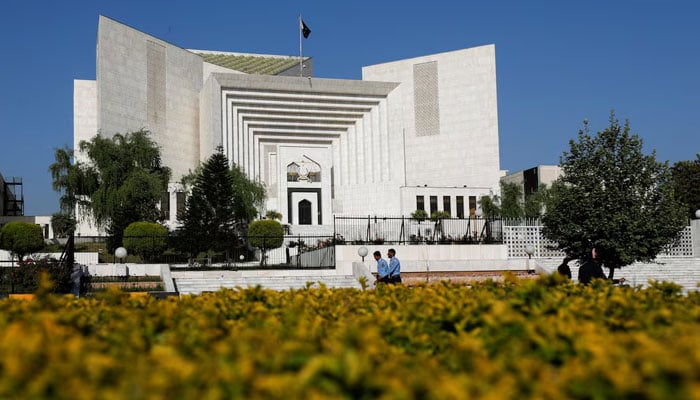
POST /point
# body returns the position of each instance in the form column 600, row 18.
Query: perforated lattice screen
column 517, row 237
column 425, row 99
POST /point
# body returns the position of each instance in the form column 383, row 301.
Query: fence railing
column 518, row 234
column 248, row 252
column 407, row 230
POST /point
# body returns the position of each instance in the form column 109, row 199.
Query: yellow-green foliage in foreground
column 544, row 339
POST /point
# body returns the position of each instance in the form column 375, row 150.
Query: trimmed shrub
column 419, row 215
column 541, row 338
column 146, row 239
column 265, row 234
column 21, row 238
column 436, row 215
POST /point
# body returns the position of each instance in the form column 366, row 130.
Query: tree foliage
column 63, row 224
column 511, row 200
column 222, row 201
column 63, row 179
column 512, row 203
column 146, row 239
column 273, row 214
column 21, row 238
column 419, row 215
column 121, row 182
column 612, row 196
column 686, row 182
column 248, row 195
column 536, row 203
column 490, row 206
column 265, row 234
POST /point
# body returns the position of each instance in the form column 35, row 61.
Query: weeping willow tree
column 69, row 182
column 121, row 182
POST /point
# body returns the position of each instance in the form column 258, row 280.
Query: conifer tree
column 210, row 221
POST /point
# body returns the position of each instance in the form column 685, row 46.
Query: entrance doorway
column 304, row 212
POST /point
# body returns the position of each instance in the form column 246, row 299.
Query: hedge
column 538, row 339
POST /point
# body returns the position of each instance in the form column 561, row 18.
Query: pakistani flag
column 304, row 29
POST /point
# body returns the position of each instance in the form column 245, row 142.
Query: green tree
column 490, row 206
column 63, row 224
column 21, row 238
column 265, row 234
column 209, row 221
column 123, row 181
column 419, row 215
column 437, row 217
column 63, row 174
column 248, row 196
column 273, row 214
column 686, row 182
column 146, row 239
column 613, row 196
column 536, row 203
column 511, row 200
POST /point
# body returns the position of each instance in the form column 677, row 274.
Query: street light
column 362, row 252
column 121, row 270
column 120, row 253
column 697, row 214
column 529, row 250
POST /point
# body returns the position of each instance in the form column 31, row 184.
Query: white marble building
column 415, row 133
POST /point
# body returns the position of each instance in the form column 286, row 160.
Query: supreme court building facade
column 414, row 133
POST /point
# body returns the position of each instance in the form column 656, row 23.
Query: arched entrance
column 304, row 212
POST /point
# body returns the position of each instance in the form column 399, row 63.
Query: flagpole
column 301, row 58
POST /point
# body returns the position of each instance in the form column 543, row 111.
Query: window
column 433, row 204
column 165, row 206
column 460, row 206
column 292, row 172
column 180, row 200
column 472, row 206
column 420, row 203
column 447, row 204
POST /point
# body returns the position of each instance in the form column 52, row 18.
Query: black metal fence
column 407, row 230
column 292, row 252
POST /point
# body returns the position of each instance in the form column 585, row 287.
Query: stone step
column 682, row 271
column 194, row 285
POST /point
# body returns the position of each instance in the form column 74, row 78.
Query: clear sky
column 558, row 62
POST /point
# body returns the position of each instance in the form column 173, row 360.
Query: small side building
column 530, row 179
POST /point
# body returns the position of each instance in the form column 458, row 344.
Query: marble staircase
column 682, row 271
column 210, row 281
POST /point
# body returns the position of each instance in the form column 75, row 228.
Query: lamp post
column 287, row 258
column 120, row 253
column 529, row 250
column 479, row 213
column 122, row 270
column 362, row 252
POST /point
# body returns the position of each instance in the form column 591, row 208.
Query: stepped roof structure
column 414, row 133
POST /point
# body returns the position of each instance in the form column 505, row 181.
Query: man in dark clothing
column 592, row 269
column 564, row 269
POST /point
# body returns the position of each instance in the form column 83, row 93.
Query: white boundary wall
column 517, row 237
